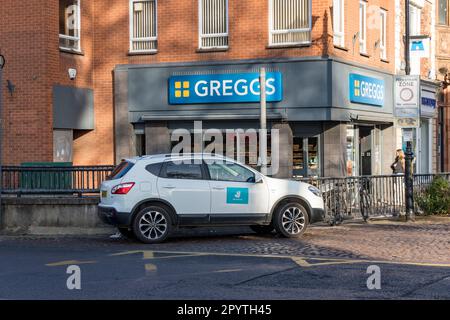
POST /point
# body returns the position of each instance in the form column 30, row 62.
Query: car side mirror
column 259, row 179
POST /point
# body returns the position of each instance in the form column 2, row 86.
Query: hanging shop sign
column 420, row 46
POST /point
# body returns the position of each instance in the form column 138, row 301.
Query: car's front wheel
column 291, row 220
column 152, row 224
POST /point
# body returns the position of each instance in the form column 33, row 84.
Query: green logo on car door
column 237, row 195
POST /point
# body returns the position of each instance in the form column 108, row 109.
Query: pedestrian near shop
column 398, row 167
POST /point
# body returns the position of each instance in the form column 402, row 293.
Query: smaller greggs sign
column 223, row 88
column 366, row 90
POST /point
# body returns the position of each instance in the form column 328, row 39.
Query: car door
column 184, row 186
column 234, row 191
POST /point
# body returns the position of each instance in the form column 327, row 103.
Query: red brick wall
column 27, row 115
column 105, row 44
column 351, row 51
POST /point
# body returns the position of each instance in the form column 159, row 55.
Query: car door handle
column 219, row 188
column 169, row 187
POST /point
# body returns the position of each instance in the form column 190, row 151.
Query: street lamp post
column 407, row 40
column 409, row 194
column 2, row 64
column 263, row 122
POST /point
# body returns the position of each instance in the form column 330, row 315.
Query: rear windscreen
column 120, row 170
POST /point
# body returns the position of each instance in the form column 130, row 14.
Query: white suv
column 147, row 197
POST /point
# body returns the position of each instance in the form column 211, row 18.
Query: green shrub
column 435, row 198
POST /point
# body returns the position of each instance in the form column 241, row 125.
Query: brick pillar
column 286, row 143
column 157, row 137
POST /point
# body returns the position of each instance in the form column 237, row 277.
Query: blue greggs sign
column 366, row 90
column 223, row 88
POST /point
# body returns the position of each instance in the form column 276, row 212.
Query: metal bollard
column 409, row 192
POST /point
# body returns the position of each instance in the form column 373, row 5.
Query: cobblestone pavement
column 425, row 241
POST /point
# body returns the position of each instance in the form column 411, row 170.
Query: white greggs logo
column 223, row 88
column 240, row 87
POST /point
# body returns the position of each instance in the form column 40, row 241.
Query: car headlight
column 315, row 191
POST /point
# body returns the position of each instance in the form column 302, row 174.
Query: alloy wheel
column 153, row 225
column 293, row 220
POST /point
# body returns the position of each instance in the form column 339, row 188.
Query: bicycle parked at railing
column 337, row 200
column 343, row 197
column 365, row 199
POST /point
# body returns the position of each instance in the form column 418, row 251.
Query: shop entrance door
column 306, row 153
column 365, row 147
column 359, row 150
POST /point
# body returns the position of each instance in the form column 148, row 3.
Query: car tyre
column 127, row 233
column 260, row 229
column 291, row 220
column 152, row 224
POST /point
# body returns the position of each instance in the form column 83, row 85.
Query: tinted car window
column 120, row 170
column 183, row 171
column 229, row 171
column 154, row 168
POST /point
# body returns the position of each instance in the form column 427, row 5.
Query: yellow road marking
column 300, row 260
column 149, row 267
column 148, row 254
column 68, row 262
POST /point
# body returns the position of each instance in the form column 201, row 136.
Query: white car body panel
column 186, row 196
column 258, row 198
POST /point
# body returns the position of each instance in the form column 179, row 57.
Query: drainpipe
column 407, row 39
column 2, row 64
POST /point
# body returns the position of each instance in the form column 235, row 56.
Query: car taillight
column 122, row 188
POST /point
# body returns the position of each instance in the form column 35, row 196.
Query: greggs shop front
column 332, row 118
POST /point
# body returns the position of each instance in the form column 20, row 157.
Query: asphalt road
column 205, row 265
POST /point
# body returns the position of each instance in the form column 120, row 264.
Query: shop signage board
column 366, row 90
column 428, row 104
column 407, row 101
column 223, row 88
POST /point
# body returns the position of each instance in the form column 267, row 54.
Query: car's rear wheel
column 152, row 224
column 127, row 233
column 291, row 220
column 262, row 229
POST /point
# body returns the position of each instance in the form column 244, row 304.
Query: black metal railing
column 49, row 180
column 367, row 196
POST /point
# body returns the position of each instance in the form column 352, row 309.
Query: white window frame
column 133, row 39
column 339, row 28
column 77, row 39
column 383, row 33
column 415, row 16
column 272, row 31
column 362, row 27
column 201, row 35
